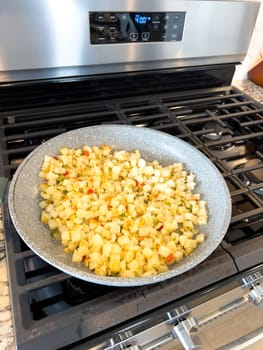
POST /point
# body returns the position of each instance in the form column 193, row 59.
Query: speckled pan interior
column 24, row 195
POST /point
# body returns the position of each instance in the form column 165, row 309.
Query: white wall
column 255, row 51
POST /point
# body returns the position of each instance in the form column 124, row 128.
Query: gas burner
column 252, row 177
column 215, row 131
column 224, row 147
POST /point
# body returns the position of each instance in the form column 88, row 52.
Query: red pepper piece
column 169, row 257
column 139, row 184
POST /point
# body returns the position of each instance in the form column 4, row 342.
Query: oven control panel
column 132, row 27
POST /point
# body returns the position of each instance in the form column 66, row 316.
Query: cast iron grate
column 221, row 122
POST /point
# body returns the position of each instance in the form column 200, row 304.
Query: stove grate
column 221, row 122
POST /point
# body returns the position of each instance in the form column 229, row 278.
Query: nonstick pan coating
column 24, row 195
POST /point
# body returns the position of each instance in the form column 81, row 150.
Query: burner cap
column 215, row 133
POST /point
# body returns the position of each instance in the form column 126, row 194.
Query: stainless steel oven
column 166, row 65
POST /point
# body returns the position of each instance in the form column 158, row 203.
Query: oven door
column 226, row 316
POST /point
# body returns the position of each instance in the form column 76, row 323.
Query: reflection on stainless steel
column 55, row 38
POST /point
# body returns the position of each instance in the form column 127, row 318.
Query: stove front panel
column 97, row 37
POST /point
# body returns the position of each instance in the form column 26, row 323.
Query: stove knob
column 187, row 333
column 185, row 327
column 120, row 341
column 254, row 282
column 177, row 314
column 256, row 294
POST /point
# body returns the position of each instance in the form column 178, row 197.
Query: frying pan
column 154, row 145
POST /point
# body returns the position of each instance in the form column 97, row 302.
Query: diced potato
column 123, row 241
column 77, row 255
column 52, row 224
column 164, row 251
column 75, row 235
column 97, row 241
column 106, row 249
column 127, row 274
column 153, row 262
column 147, row 252
column 115, row 263
column 101, row 271
column 178, row 255
column 200, row 238
column 117, row 213
column 115, row 228
column 95, row 260
column 129, row 256
column 65, row 237
column 44, row 217
column 133, row 266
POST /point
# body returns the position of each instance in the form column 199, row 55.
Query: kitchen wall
column 255, row 51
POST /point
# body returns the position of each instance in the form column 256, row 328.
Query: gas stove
column 221, row 121
column 159, row 65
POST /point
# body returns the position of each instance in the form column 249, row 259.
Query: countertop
column 250, row 89
column 6, row 326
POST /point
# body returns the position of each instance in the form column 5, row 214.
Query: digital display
column 142, row 19
column 136, row 27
